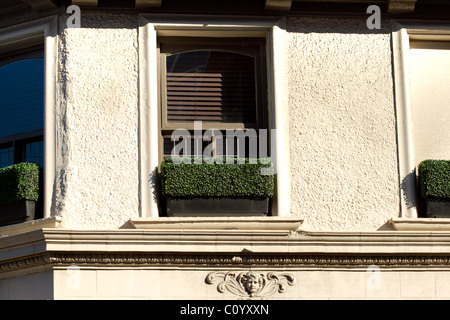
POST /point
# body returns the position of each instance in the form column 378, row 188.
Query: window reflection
column 21, row 96
column 6, row 157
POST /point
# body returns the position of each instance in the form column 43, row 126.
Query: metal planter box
column 11, row 213
column 210, row 207
column 437, row 208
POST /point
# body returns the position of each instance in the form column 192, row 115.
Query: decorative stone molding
column 206, row 261
column 251, row 285
column 24, row 263
column 218, row 250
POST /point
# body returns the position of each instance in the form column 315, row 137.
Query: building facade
column 353, row 96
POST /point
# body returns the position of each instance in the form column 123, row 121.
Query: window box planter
column 217, row 206
column 216, row 189
column 19, row 192
column 434, row 183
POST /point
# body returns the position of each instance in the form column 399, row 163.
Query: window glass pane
column 21, row 96
column 213, row 86
column 34, row 153
column 6, row 157
column 176, row 146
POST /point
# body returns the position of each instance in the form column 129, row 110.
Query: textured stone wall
column 97, row 122
column 342, row 124
column 341, row 115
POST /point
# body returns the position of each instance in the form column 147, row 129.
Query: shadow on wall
column 408, row 187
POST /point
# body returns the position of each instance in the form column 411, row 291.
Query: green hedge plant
column 19, row 182
column 211, row 179
column 434, row 179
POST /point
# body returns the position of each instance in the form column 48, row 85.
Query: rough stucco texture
column 341, row 111
column 342, row 124
column 97, row 142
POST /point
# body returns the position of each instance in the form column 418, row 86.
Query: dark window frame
column 251, row 46
column 19, row 141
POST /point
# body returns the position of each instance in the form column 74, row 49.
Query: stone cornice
column 265, row 242
column 224, row 249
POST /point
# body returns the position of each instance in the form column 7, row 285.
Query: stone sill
column 27, row 226
column 218, row 223
column 420, row 224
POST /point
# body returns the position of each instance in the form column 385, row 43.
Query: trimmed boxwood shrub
column 208, row 179
column 19, row 182
column 434, row 179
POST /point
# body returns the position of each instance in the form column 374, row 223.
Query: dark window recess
column 22, row 108
column 6, row 157
column 34, row 152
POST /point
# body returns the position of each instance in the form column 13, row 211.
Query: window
column 236, row 38
column 430, row 102
column 219, row 82
column 421, row 60
column 430, row 99
column 22, row 108
column 28, row 70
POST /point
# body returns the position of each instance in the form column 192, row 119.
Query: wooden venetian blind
column 211, row 86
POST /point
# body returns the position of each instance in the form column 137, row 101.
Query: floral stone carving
column 251, row 285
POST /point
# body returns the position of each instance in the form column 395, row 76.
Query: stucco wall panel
column 342, row 123
column 98, row 159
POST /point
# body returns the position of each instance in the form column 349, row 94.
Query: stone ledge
column 218, row 223
column 232, row 241
column 27, row 226
column 420, row 224
column 52, row 248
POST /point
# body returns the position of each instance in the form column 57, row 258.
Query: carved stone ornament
column 251, row 285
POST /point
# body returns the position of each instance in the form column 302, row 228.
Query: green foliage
column 19, row 182
column 434, row 178
column 211, row 179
